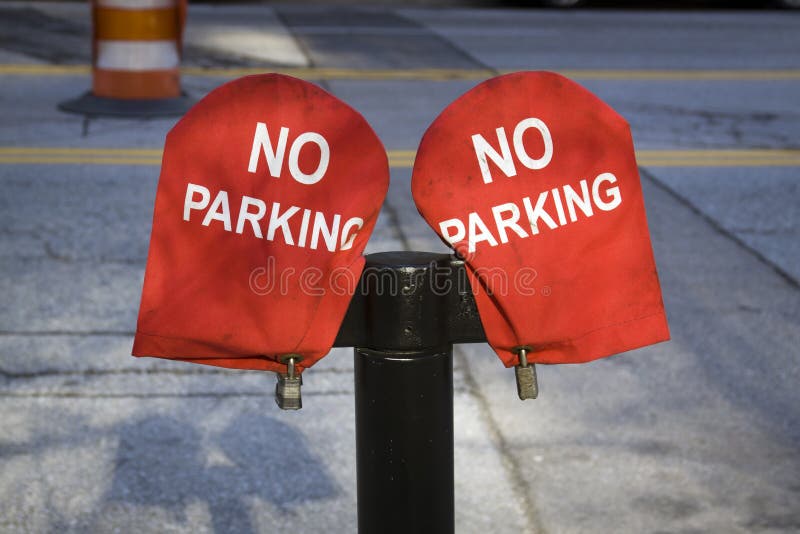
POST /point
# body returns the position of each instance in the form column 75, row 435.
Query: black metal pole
column 404, row 441
column 409, row 309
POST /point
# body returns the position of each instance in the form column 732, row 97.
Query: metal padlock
column 525, row 373
column 287, row 390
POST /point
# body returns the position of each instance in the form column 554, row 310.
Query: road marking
column 325, row 73
column 14, row 69
column 80, row 156
column 417, row 31
column 48, row 151
column 401, row 159
column 683, row 75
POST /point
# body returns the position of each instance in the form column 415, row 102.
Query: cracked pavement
column 700, row 434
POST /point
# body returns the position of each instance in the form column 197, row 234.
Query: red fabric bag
column 533, row 180
column 269, row 190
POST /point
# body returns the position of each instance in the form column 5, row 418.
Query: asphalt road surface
column 700, row 434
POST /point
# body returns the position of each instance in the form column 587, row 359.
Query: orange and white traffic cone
column 136, row 51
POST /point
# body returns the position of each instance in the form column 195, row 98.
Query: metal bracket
column 411, row 301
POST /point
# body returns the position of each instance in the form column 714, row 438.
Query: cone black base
column 97, row 106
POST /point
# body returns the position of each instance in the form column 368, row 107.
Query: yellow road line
column 12, row 69
column 80, row 151
column 684, row 75
column 728, row 153
column 720, row 163
column 404, row 158
column 44, row 160
column 325, row 73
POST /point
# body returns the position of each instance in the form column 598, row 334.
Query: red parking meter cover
column 269, row 190
column 533, row 180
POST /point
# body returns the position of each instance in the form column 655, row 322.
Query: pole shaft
column 404, row 441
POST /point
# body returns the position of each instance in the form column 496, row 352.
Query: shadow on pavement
column 163, row 462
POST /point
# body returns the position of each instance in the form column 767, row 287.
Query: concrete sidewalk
column 700, row 434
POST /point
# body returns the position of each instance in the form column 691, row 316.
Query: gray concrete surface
column 700, row 434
